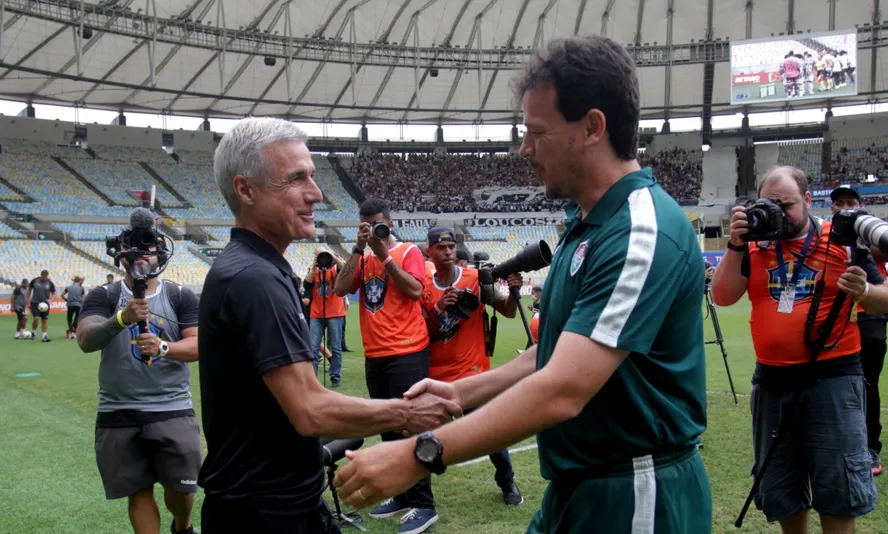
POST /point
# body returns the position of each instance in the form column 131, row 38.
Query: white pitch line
column 511, row 451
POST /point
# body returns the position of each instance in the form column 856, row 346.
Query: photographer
column 396, row 342
column 826, row 439
column 146, row 430
column 458, row 348
column 872, row 338
column 263, row 407
column 327, row 310
column 19, row 304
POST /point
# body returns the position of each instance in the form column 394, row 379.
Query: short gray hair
column 242, row 152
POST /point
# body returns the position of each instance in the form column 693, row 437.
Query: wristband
column 387, row 261
column 737, row 248
column 863, row 295
column 357, row 250
column 437, row 309
column 120, row 319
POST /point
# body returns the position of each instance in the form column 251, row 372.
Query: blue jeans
column 334, row 343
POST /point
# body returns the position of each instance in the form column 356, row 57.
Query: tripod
column 515, row 293
column 351, row 519
column 324, row 324
column 718, row 337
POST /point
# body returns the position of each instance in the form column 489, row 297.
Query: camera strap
column 817, row 345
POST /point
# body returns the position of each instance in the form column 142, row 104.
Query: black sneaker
column 877, row 463
column 335, row 384
column 189, row 530
column 46, row 340
column 511, row 494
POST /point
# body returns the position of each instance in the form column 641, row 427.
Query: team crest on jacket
column 324, row 289
column 805, row 287
column 448, row 326
column 374, row 294
column 578, row 257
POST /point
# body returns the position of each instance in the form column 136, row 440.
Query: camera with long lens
column 766, row 220
column 466, row 304
column 380, row 229
column 324, row 260
column 533, row 257
column 854, row 228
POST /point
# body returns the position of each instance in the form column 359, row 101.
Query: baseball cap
column 441, row 234
column 843, row 188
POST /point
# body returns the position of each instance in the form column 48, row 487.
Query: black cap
column 463, row 255
column 842, row 189
column 441, row 234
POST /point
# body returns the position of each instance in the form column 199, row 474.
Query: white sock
column 18, row 333
column 44, row 335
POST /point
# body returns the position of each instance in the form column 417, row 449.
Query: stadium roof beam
column 874, row 61
column 251, row 27
column 790, row 17
column 580, row 11
column 323, row 63
column 638, row 23
column 444, row 46
column 412, row 27
column 291, row 54
column 749, row 6
column 2, row 24
column 158, row 68
column 82, row 49
column 509, row 43
column 605, row 16
column 356, row 67
column 250, row 58
column 708, row 74
column 667, row 91
column 476, row 34
column 832, row 15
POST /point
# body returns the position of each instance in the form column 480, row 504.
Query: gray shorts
column 822, row 461
column 134, row 458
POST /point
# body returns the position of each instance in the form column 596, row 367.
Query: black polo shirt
column 252, row 322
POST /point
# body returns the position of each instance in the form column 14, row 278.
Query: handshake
column 430, row 404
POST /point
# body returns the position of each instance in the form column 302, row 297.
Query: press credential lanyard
column 787, row 297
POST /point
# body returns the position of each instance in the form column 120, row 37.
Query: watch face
column 426, row 450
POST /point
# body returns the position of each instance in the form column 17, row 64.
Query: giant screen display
column 801, row 66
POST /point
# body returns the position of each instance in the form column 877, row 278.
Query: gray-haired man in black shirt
column 263, row 406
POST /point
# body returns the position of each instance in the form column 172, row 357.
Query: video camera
column 766, row 220
column 857, row 228
column 136, row 242
column 533, row 257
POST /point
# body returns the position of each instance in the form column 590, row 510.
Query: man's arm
column 728, row 281
column 316, row 411
column 476, row 390
column 95, row 332
column 346, row 281
column 505, row 304
column 409, row 278
column 184, row 350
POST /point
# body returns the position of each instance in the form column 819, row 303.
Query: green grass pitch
column 49, row 482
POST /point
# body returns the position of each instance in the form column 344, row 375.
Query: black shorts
column 20, row 313
column 134, row 458
column 35, row 311
column 224, row 517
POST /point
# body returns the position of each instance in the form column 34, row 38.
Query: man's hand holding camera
column 364, row 234
column 448, row 299
column 739, row 226
column 136, row 311
column 853, row 282
column 149, row 344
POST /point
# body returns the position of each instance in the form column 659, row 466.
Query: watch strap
column 357, row 250
column 737, row 248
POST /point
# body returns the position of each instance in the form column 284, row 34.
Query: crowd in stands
column 677, row 170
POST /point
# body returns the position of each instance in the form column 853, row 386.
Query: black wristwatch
column 737, row 248
column 429, row 451
column 357, row 250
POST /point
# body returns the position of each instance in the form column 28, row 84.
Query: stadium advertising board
column 515, row 221
column 414, row 223
column 794, row 67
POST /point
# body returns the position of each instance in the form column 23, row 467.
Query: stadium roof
column 418, row 61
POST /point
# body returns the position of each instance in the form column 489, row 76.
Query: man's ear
column 244, row 189
column 594, row 127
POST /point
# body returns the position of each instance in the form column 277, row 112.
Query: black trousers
column 389, row 378
column 502, row 462
column 872, row 358
column 224, row 517
column 73, row 317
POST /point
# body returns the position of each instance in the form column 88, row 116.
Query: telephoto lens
column 381, row 230
column 324, row 260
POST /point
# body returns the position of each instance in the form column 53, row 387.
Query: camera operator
column 327, row 310
column 146, row 430
column 263, row 406
column 616, row 388
column 19, row 303
column 826, row 446
column 396, row 342
column 458, row 348
column 463, row 257
column 872, row 338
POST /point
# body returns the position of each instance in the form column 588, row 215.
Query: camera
column 324, row 260
column 849, row 227
column 533, row 257
column 466, row 304
column 380, row 229
column 766, row 220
